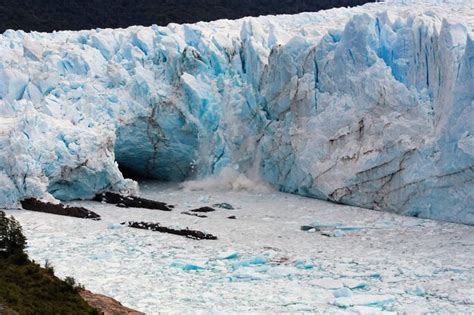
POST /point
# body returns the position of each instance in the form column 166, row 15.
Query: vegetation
column 49, row 15
column 27, row 288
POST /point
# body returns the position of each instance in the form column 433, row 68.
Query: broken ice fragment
column 342, row 292
column 230, row 254
column 303, row 263
column 223, row 205
column 280, row 271
column 254, row 261
column 327, row 283
column 187, row 266
column 318, row 226
column 367, row 310
column 204, row 198
column 364, row 300
column 354, row 284
column 114, row 226
column 249, row 276
column 418, row 291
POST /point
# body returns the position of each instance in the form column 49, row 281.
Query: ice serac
column 371, row 106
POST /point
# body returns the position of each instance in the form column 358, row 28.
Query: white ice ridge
column 370, row 106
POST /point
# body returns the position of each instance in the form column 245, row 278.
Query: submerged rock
column 47, row 207
column 194, row 234
column 131, row 201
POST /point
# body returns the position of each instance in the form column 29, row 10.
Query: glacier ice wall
column 370, row 106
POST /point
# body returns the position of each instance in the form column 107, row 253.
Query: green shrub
column 27, row 288
column 12, row 240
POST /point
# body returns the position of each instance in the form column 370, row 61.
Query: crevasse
column 371, row 106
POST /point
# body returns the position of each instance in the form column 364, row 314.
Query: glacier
column 371, row 106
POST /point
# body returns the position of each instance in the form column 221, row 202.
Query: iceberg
column 371, row 106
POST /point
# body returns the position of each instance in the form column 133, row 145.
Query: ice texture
column 370, row 106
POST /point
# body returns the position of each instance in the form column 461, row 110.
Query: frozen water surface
column 262, row 262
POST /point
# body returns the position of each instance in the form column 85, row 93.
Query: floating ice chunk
column 418, row 291
column 204, row 198
column 303, row 263
column 280, row 271
column 230, row 254
column 330, row 226
column 328, row 283
column 115, row 226
column 354, row 284
column 342, row 292
column 367, row 310
column 224, row 205
column 364, row 300
column 319, row 226
column 186, row 266
column 254, row 261
column 244, row 276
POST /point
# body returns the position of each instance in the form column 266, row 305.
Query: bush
column 27, row 288
column 48, row 267
column 12, row 240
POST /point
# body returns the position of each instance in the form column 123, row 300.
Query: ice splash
column 228, row 180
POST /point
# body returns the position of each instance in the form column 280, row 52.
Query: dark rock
column 232, row 217
column 131, row 201
column 59, row 209
column 194, row 214
column 307, row 227
column 203, row 209
column 194, row 234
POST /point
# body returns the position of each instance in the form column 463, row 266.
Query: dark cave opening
column 130, row 173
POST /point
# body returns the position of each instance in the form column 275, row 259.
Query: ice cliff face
column 370, row 106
